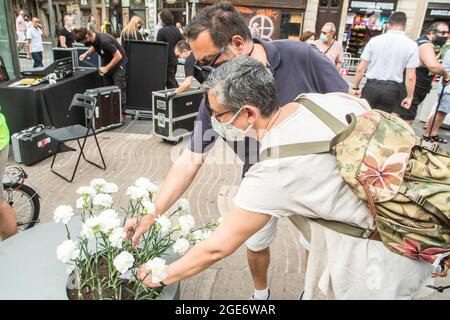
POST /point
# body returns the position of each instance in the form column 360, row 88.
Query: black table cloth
column 45, row 104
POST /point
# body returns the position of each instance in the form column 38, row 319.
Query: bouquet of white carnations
column 102, row 261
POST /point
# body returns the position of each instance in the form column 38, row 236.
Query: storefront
column 276, row 20
column 365, row 20
column 436, row 12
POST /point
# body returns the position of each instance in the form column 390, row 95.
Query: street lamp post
column 51, row 16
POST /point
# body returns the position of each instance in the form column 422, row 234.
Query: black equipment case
column 33, row 145
column 108, row 110
column 174, row 116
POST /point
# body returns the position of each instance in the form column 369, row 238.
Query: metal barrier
column 25, row 64
column 350, row 64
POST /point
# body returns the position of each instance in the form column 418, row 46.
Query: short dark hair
column 434, row 26
column 79, row 34
column 222, row 21
column 183, row 45
column 166, row 17
column 397, row 18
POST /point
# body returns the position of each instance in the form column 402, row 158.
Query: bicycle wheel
column 25, row 202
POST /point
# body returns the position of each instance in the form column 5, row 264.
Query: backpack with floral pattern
column 404, row 179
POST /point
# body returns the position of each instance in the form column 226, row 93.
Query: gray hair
column 243, row 81
column 331, row 25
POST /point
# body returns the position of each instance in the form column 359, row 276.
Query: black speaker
column 146, row 72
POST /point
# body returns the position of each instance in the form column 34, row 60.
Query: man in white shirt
column 386, row 57
column 34, row 43
column 242, row 96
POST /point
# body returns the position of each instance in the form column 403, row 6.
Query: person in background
column 91, row 23
column 170, row 34
column 107, row 27
column 28, row 21
column 8, row 223
column 308, row 37
column 429, row 49
column 387, row 57
column 180, row 28
column 218, row 34
column 184, row 53
column 34, row 46
column 431, row 134
column 329, row 45
column 256, row 32
column 113, row 56
column 21, row 28
column 65, row 38
column 132, row 30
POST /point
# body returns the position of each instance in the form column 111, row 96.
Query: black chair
column 77, row 132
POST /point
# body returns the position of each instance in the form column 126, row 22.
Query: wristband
column 355, row 88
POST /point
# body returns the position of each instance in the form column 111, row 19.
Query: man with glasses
column 217, row 34
column 429, row 48
column 329, row 45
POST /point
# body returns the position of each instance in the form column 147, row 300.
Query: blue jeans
column 37, row 59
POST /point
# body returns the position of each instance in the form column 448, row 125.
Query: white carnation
column 181, row 246
column 117, row 236
column 146, row 184
column 83, row 202
column 197, row 236
column 103, row 200
column 67, row 251
column 187, row 222
column 98, row 184
column 137, row 193
column 87, row 232
column 149, row 207
column 108, row 220
column 123, row 262
column 63, row 214
column 86, row 191
column 110, row 188
column 158, row 268
column 164, row 224
column 183, row 205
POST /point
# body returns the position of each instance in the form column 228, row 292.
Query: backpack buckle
column 430, row 146
column 413, row 196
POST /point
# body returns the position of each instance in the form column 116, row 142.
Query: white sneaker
column 253, row 296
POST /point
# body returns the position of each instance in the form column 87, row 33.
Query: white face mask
column 228, row 131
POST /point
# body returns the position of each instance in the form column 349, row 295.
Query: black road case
column 108, row 110
column 33, row 145
column 174, row 117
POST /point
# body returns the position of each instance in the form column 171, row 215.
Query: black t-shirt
column 171, row 35
column 68, row 35
column 106, row 45
column 424, row 77
column 190, row 70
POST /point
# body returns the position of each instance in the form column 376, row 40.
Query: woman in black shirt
column 65, row 39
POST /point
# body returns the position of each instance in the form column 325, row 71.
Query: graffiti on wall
column 267, row 20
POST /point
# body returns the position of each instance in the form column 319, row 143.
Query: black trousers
column 37, row 59
column 171, row 82
column 118, row 78
column 382, row 95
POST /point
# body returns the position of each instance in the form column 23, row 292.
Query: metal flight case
column 174, row 116
column 108, row 110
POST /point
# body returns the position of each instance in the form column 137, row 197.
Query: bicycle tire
column 36, row 203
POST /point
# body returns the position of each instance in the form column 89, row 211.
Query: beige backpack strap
column 339, row 227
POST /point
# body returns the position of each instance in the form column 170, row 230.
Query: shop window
column 335, row 3
column 323, row 3
column 291, row 25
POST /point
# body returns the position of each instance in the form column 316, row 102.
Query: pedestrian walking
column 34, row 46
column 308, row 37
column 65, row 36
column 387, row 57
column 132, row 30
column 328, row 44
column 21, row 28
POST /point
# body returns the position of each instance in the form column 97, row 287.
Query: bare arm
column 62, row 41
column 360, row 73
column 27, row 47
column 410, row 82
column 185, row 85
column 237, row 227
column 429, row 60
column 117, row 56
